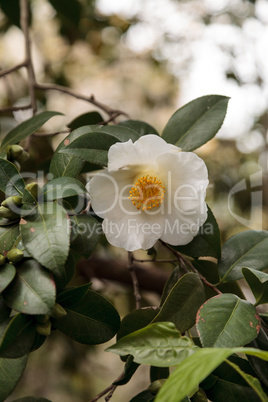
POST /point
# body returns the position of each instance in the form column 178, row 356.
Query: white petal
column 133, row 233
column 144, row 151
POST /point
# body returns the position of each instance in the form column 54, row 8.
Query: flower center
column 147, row 192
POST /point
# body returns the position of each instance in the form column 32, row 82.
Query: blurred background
column 147, row 58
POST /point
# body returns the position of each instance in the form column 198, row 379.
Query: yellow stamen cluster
column 147, row 192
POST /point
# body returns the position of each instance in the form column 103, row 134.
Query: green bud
column 33, row 189
column 2, row 259
column 15, row 255
column 23, row 157
column 156, row 385
column 42, row 318
column 44, row 329
column 58, row 311
column 7, row 213
column 14, row 152
column 13, row 200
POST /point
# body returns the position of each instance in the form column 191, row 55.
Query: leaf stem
column 109, row 389
column 186, row 264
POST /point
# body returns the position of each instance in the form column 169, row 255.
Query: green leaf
column 7, row 274
column 46, row 236
column 226, row 384
column 137, row 319
column 144, row 396
column 176, row 274
column 158, row 373
column 140, row 127
column 85, row 234
column 68, row 273
column 129, row 370
column 4, row 310
column 85, row 119
column 93, row 146
column 227, row 321
column 207, row 242
column 158, row 344
column 11, row 182
column 32, row 291
column 258, row 283
column 8, row 236
column 90, row 320
column 182, row 303
column 248, row 249
column 17, row 336
column 260, row 366
column 197, row 122
column 10, row 373
column 71, row 296
column 62, row 165
column 27, row 127
column 62, row 187
column 188, row 375
column 252, row 381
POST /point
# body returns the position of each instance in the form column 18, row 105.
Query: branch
column 10, row 70
column 15, row 108
column 109, row 389
column 150, row 279
column 185, row 263
column 91, row 99
column 134, row 278
column 24, row 22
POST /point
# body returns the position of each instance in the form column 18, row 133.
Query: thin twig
column 91, row 99
column 24, row 22
column 51, row 134
column 10, row 70
column 185, row 263
column 15, row 108
column 156, row 260
column 109, row 389
column 135, row 282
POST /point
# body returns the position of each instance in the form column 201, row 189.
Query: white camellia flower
column 151, row 190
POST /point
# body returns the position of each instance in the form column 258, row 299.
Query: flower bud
column 33, row 189
column 11, row 201
column 44, row 329
column 14, row 152
column 7, row 213
column 58, row 311
column 15, row 255
column 2, row 259
column 23, row 157
column 42, row 318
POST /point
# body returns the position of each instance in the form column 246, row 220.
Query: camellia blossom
column 151, row 190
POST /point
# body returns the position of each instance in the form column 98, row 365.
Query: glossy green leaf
column 10, row 373
column 7, row 274
column 140, row 127
column 252, row 382
column 260, row 366
column 144, row 396
column 85, row 234
column 197, row 122
column 62, row 165
column 71, row 296
column 158, row 344
column 176, row 274
column 4, row 310
column 17, row 336
column 158, row 373
column 8, row 236
column 226, row 384
column 194, row 369
column 90, row 320
column 85, row 119
column 137, row 319
column 258, row 282
column 62, row 187
column 46, row 236
column 247, row 249
column 11, row 182
column 68, row 272
column 227, row 321
column 27, row 127
column 32, row 291
column 129, row 370
column 93, row 147
column 207, row 242
column 182, row 303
